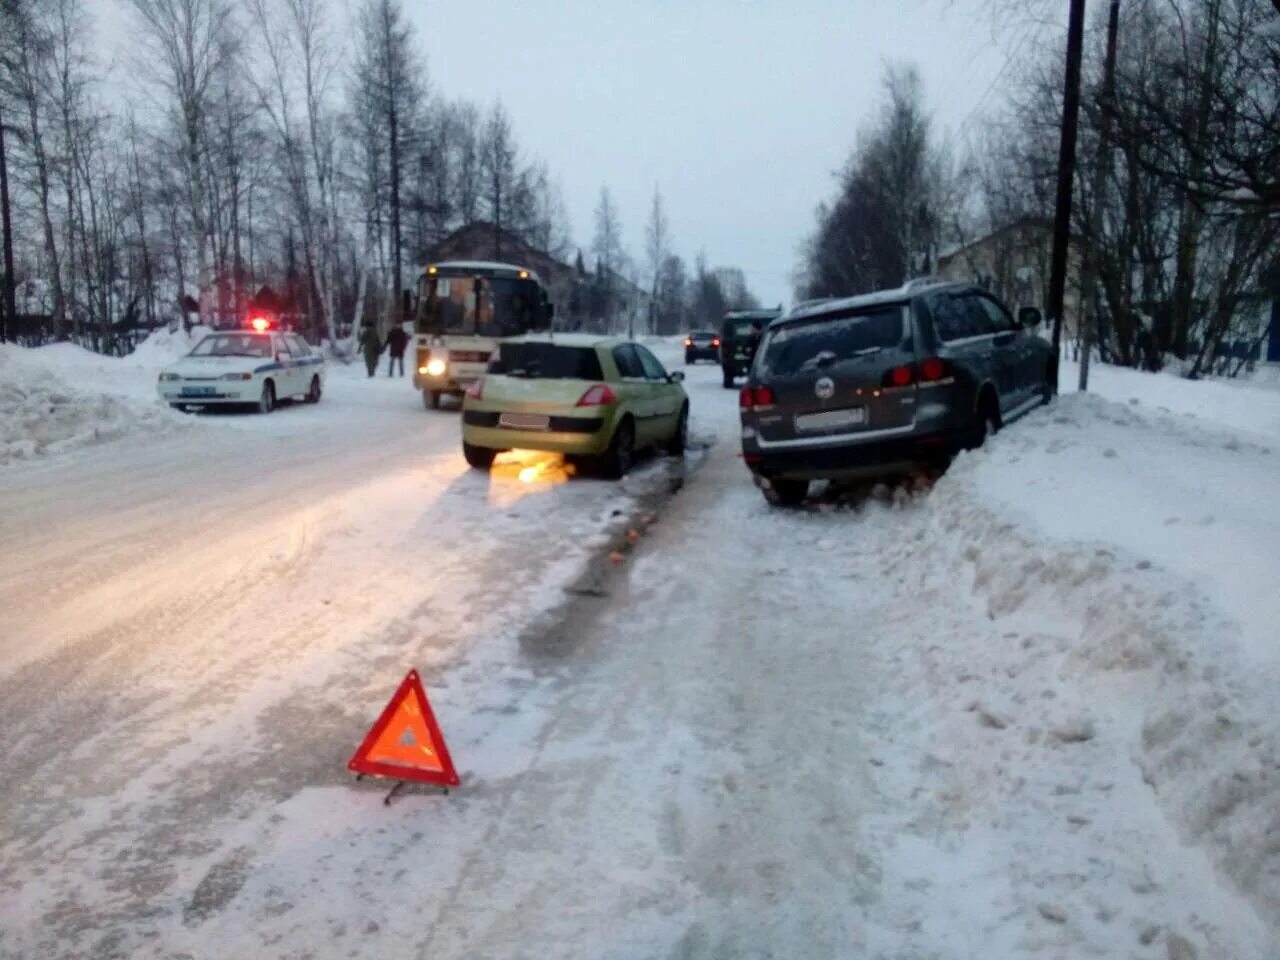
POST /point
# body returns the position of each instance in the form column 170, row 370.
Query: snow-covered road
column 193, row 623
column 923, row 725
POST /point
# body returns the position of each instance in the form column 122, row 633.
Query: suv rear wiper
column 819, row 360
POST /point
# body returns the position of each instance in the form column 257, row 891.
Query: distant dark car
column 701, row 345
column 740, row 333
column 877, row 384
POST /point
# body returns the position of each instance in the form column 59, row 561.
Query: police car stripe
column 289, row 364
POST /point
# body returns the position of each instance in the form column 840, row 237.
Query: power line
column 1033, row 27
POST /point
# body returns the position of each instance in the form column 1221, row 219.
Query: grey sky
column 741, row 112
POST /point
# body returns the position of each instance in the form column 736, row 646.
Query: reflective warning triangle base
column 406, row 742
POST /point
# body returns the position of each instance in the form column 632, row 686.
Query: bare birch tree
column 190, row 42
column 657, row 246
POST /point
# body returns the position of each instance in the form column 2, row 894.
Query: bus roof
column 483, row 267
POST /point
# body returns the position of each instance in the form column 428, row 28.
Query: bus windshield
column 477, row 306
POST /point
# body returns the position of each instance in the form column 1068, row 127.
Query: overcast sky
column 740, row 112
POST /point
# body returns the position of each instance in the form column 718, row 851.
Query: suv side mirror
column 676, row 376
column 1029, row 317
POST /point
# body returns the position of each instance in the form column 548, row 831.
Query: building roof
column 481, row 242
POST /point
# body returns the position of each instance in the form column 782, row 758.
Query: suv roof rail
column 917, row 283
column 812, row 302
column 754, row 312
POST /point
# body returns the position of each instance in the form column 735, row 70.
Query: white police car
column 256, row 366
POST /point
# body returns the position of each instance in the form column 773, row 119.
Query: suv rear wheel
column 986, row 420
column 783, row 492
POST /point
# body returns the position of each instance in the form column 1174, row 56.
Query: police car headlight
column 237, row 376
column 170, row 376
column 435, row 367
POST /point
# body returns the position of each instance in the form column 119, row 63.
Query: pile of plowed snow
column 57, row 398
column 164, row 346
column 1129, row 555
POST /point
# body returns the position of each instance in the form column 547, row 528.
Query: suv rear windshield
column 546, row 361
column 799, row 347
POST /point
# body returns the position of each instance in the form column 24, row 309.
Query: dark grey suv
column 879, row 383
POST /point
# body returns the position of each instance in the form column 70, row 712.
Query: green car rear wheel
column 680, row 439
column 481, row 458
column 617, row 459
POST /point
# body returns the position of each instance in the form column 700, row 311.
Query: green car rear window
column 546, row 361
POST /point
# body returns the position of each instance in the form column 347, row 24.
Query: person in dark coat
column 397, row 340
column 371, row 344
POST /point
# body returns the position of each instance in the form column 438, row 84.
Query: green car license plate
column 524, row 421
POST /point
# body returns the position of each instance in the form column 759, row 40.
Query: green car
column 592, row 398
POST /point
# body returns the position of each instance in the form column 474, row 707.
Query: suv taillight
column 755, row 398
column 903, row 376
column 597, row 396
column 933, row 369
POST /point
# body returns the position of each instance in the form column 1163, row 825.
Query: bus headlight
column 435, row 368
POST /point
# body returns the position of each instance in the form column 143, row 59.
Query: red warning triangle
column 406, row 742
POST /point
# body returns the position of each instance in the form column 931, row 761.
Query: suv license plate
column 832, row 419
column 197, row 391
column 524, row 421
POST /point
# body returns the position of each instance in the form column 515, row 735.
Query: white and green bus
column 465, row 307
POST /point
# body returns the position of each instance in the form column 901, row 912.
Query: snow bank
column 163, row 346
column 60, row 397
column 1132, row 555
column 1250, row 404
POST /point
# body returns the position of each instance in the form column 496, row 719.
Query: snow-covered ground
column 1027, row 713
column 61, row 397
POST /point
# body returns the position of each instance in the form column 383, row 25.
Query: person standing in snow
column 371, row 344
column 397, row 340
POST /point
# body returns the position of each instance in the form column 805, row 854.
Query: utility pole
column 1066, row 174
column 10, row 299
column 1089, row 268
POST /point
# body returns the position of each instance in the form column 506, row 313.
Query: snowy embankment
column 60, row 397
column 1128, row 558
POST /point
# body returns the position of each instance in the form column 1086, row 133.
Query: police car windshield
column 233, row 345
